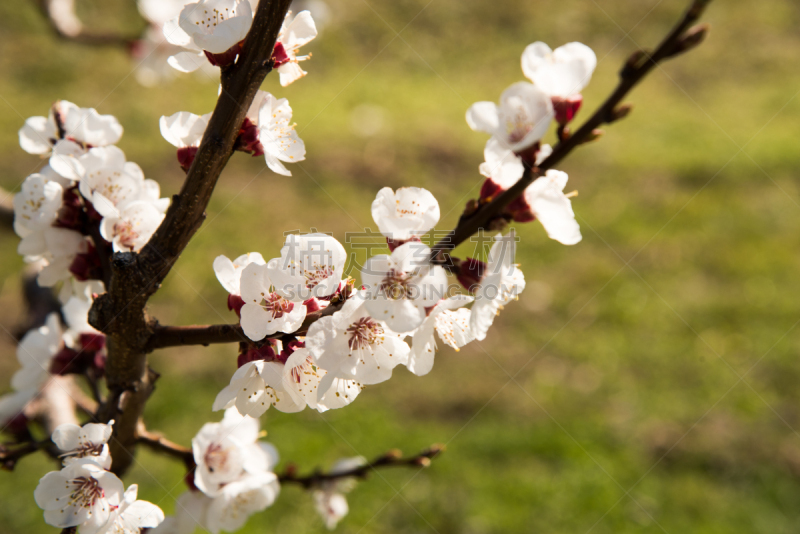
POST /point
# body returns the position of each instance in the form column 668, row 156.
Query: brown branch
column 175, row 336
column 680, row 39
column 393, row 458
column 120, row 313
column 60, row 14
column 159, row 443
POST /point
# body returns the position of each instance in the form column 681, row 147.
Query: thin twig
column 679, row 40
column 159, row 443
column 393, row 458
column 175, row 336
column 60, row 14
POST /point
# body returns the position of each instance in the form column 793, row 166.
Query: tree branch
column 120, row 313
column 175, row 336
column 393, row 458
column 679, row 40
column 65, row 23
column 159, row 443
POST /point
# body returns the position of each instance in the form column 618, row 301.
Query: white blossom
column 256, row 386
column 448, row 319
column 400, row 286
column 502, row 282
column 238, row 500
column 108, row 180
column 83, row 126
column 562, row 72
column 35, row 353
column 352, row 345
column 89, row 441
column 36, row 206
column 520, row 119
column 503, row 166
column 278, row 137
column 295, row 32
column 228, row 451
column 265, row 311
column 132, row 515
column 184, row 129
column 553, row 208
column 211, row 25
column 409, row 212
column 82, row 494
column 329, row 499
column 310, row 265
column 131, row 227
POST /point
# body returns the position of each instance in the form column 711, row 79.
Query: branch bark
column 175, row 336
column 680, row 39
column 393, row 458
column 65, row 23
column 120, row 313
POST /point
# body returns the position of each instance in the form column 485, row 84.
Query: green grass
column 608, row 399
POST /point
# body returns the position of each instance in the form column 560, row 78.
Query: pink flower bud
column 235, row 304
column 566, row 108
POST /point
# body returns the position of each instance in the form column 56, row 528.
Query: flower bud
column 235, row 303
column 566, row 108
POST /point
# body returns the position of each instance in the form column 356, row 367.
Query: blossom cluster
column 205, row 35
column 85, row 494
column 315, row 337
column 303, row 356
column 52, row 350
column 87, row 198
column 233, row 478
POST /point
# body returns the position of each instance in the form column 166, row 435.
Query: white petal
column 484, row 117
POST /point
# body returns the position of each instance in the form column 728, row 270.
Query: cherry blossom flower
column 400, row 287
column 184, row 129
column 229, row 274
column 289, row 384
column 504, row 168
column 226, row 451
column 108, row 180
column 310, row 266
column 561, row 73
column 35, row 353
column 132, row 515
column 36, row 207
column 408, row 213
column 278, row 137
column 130, row 228
column 213, row 25
column 351, row 344
column 67, row 122
column 546, row 202
column 265, row 311
column 238, row 500
column 295, row 32
column 452, row 327
column 329, row 499
column 256, row 386
column 501, row 283
column 82, row 494
column 519, row 121
column 89, row 441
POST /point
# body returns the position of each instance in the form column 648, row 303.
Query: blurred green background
column 646, row 381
